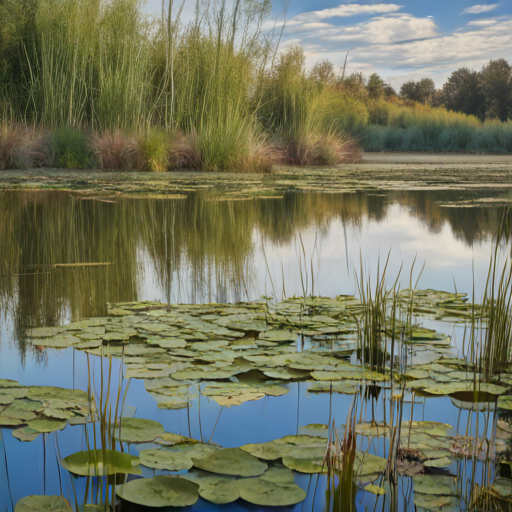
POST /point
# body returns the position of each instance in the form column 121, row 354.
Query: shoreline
column 375, row 172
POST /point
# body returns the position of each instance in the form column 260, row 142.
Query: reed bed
column 212, row 94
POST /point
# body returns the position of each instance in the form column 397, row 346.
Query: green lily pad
column 439, row 485
column 45, row 425
column 442, row 462
column 279, row 475
column 165, row 459
column 305, row 465
column 138, row 430
column 269, row 494
column 8, row 383
column 100, row 463
column 160, row 491
column 217, row 489
column 231, row 461
column 26, row 434
column 278, row 336
column 42, row 504
column 503, row 486
column 169, row 439
column 434, row 502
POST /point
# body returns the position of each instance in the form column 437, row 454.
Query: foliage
column 421, row 91
column 214, row 93
column 68, row 148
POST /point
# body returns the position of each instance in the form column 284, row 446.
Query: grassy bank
column 392, row 127
column 101, row 84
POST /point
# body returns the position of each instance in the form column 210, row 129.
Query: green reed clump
column 88, row 64
column 152, row 151
column 295, row 110
column 378, row 318
column 497, row 343
column 208, row 88
column 340, row 458
column 68, row 148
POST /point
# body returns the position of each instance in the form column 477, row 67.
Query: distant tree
column 388, row 91
column 496, row 80
column 323, row 72
column 354, row 83
column 463, row 93
column 375, row 86
column 422, row 91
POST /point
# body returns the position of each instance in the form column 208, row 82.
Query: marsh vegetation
column 100, row 84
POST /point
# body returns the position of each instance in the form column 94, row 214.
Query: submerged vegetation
column 101, row 84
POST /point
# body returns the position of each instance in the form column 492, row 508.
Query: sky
column 405, row 40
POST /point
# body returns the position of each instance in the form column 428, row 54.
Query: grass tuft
column 68, row 148
column 12, row 138
column 153, row 151
column 114, row 151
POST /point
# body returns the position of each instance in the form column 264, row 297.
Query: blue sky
column 399, row 40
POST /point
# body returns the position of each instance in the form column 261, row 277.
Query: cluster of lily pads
column 234, row 353
column 246, row 351
column 264, row 473
column 33, row 410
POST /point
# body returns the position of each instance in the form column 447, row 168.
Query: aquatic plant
column 496, row 346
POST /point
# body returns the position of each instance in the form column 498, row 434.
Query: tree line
column 485, row 94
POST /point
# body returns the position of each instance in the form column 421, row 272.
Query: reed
column 496, row 348
column 293, row 108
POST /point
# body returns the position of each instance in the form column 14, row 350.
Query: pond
column 66, row 257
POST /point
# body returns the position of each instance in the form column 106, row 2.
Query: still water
column 64, row 258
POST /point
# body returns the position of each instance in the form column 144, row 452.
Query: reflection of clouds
column 446, row 258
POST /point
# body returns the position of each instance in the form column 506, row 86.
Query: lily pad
column 231, row 461
column 100, row 463
column 26, row 434
column 45, row 425
column 217, row 489
column 165, row 460
column 160, row 491
column 138, row 430
column 42, row 504
column 268, row 494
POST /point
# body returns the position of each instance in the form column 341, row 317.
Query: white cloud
column 482, row 23
column 479, row 8
column 346, row 10
column 372, row 48
column 386, row 29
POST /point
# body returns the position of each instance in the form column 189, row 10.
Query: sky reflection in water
column 197, row 250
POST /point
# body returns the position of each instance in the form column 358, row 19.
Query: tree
column 422, row 91
column 323, row 72
column 496, row 80
column 355, row 84
column 375, row 86
column 388, row 91
column 463, row 93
